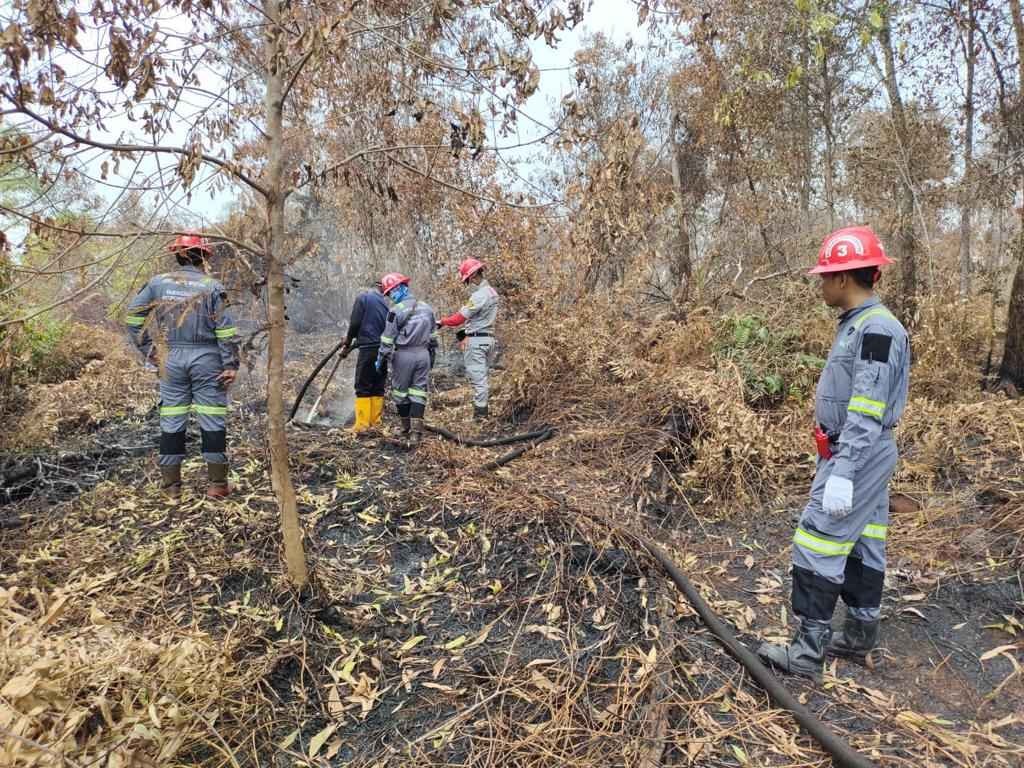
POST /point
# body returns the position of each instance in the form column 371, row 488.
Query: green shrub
column 772, row 362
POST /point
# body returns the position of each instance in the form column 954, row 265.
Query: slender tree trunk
column 905, row 234
column 967, row 192
column 682, row 264
column 294, row 554
column 807, row 138
column 830, row 141
column 1012, row 368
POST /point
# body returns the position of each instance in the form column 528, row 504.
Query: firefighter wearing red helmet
column 409, row 341
column 839, row 544
column 187, row 311
column 479, row 316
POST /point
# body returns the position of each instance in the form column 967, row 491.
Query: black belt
column 479, row 335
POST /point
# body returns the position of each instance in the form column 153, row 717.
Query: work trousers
column 845, row 557
column 370, row 382
column 477, row 358
column 410, row 375
column 189, row 385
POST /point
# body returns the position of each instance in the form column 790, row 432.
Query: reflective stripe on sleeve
column 225, row 333
column 386, row 340
column 821, row 546
column 135, row 320
column 874, row 408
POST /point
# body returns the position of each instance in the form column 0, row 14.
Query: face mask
column 399, row 293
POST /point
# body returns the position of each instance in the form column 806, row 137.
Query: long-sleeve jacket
column 411, row 323
column 369, row 315
column 863, row 389
column 188, row 309
column 480, row 312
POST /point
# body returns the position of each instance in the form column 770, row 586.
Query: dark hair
column 865, row 277
column 190, row 257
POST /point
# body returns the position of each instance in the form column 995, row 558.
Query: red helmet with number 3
column 392, row 280
column 469, row 267
column 188, row 242
column 850, row 248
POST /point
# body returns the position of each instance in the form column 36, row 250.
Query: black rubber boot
column 480, row 412
column 415, row 433
column 406, row 425
column 170, row 484
column 856, row 639
column 805, row 654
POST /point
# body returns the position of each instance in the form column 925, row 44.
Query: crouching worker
column 409, row 341
column 839, row 545
column 187, row 311
column 365, row 326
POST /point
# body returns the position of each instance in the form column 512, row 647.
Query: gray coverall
column 410, row 341
column 481, row 313
column 860, row 398
column 187, row 311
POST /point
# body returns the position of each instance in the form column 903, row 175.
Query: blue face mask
column 399, row 293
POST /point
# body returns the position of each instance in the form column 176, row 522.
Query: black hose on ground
column 302, row 392
column 490, row 442
column 517, row 452
column 842, row 753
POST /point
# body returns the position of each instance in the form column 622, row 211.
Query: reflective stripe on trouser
column 410, row 375
column 850, row 552
column 190, row 385
column 477, row 359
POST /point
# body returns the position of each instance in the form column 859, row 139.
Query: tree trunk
column 905, row 234
column 830, row 141
column 967, row 192
column 682, row 264
column 1012, row 368
column 294, row 554
column 806, row 129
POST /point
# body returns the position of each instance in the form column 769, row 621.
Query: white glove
column 838, row 498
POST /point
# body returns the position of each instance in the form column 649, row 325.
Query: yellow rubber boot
column 363, row 410
column 376, row 410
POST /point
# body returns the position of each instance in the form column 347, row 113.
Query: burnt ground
column 940, row 616
column 459, row 617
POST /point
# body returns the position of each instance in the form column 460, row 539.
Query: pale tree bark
column 294, row 554
column 967, row 191
column 1012, row 367
column 830, row 139
column 905, row 233
column 689, row 186
column 806, row 127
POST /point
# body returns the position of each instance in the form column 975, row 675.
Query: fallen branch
column 517, row 452
column 489, row 442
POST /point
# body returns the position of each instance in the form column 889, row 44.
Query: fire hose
column 302, row 392
column 842, row 753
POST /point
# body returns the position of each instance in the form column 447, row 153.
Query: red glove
column 453, row 321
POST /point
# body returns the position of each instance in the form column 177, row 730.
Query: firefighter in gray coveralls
column 185, row 313
column 839, row 544
column 479, row 315
column 409, row 342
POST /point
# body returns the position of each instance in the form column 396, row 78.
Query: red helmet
column 850, row 248
column 469, row 267
column 392, row 280
column 188, row 242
